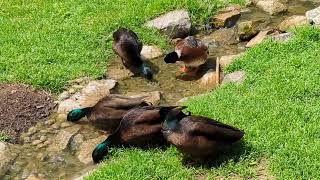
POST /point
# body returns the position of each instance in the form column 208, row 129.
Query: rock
column 63, row 138
column 174, row 24
column 8, row 154
column 272, row 7
column 209, row 78
column 27, row 140
column 151, row 52
column 36, row 142
column 151, row 97
column 33, row 177
column 76, row 142
column 88, row 96
column 43, row 138
column 43, row 156
column 50, row 122
column 282, row 37
column 80, row 80
column 235, row 77
column 246, row 30
column 314, row 15
column 64, row 95
column 62, row 117
column 65, row 124
column 235, row 7
column 55, row 126
column 226, row 19
column 225, row 61
column 221, row 37
column 31, row 131
column 262, row 35
column 293, row 21
column 57, row 160
column 71, row 91
column 87, row 147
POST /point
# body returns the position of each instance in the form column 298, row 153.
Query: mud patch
column 22, row 107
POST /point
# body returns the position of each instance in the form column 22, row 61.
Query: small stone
column 50, row 122
column 44, row 131
column 293, row 21
column 43, row 138
column 235, row 77
column 27, row 140
column 209, row 78
column 246, row 30
column 284, row 37
column 174, row 24
column 55, row 126
column 47, row 142
column 39, row 146
column 225, row 61
column 36, row 142
column 32, row 131
column 65, row 124
column 71, row 91
column 76, row 141
column 87, row 147
column 77, row 87
column 33, row 177
column 64, row 95
column 272, row 7
column 221, row 37
column 226, row 19
column 151, row 52
column 62, row 117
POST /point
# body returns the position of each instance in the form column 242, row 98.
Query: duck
column 198, row 137
column 108, row 111
column 127, row 46
column 140, row 127
column 192, row 52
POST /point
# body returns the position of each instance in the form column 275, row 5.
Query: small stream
column 37, row 160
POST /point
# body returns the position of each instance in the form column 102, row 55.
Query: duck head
column 76, row 115
column 172, row 116
column 101, row 151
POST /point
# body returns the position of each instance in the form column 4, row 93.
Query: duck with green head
column 197, row 136
column 108, row 112
column 140, row 127
column 127, row 46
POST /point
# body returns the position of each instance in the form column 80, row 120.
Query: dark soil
column 22, row 107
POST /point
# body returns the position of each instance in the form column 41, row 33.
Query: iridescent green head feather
column 75, row 115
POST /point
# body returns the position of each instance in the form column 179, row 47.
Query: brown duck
column 196, row 136
column 193, row 52
column 140, row 127
column 127, row 45
column 108, row 112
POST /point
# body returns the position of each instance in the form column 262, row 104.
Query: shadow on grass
column 235, row 152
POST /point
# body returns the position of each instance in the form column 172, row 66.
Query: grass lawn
column 277, row 106
column 45, row 43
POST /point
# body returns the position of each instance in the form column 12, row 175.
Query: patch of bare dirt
column 22, row 107
column 262, row 170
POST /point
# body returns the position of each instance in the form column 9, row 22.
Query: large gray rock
column 221, row 37
column 88, row 96
column 84, row 155
column 63, row 139
column 8, row 154
column 314, row 15
column 174, row 24
column 272, row 7
column 284, row 37
column 236, row 77
column 293, row 21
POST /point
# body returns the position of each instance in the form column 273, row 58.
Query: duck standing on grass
column 193, row 52
column 108, row 112
column 127, row 45
column 197, row 136
column 140, row 127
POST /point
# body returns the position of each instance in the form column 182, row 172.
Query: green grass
column 4, row 137
column 45, row 43
column 277, row 106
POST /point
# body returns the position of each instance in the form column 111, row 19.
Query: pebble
column 36, row 142
column 39, row 146
column 62, row 117
column 47, row 142
column 65, row 124
column 27, row 140
column 31, row 131
column 44, row 131
column 50, row 122
column 55, row 126
column 71, row 91
column 63, row 95
column 43, row 138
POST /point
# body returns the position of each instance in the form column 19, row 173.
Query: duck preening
column 193, row 52
column 140, row 127
column 196, row 136
column 127, row 45
column 108, row 112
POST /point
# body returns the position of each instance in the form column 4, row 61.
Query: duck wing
column 211, row 129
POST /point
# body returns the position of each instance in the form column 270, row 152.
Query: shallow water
column 173, row 85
